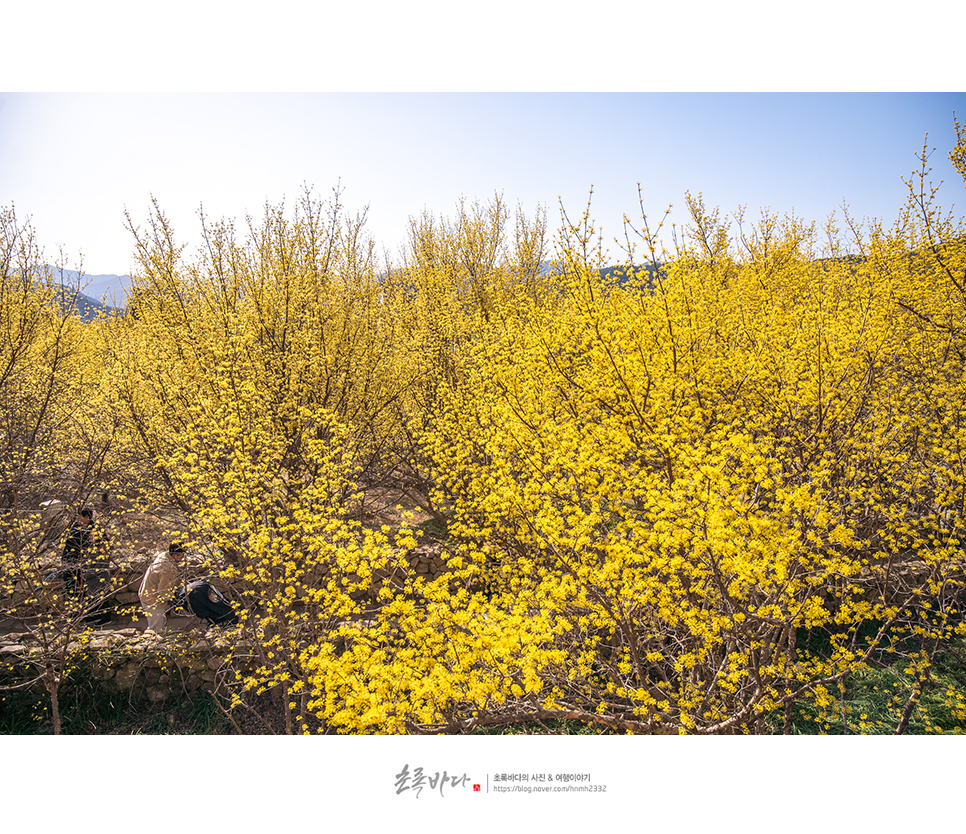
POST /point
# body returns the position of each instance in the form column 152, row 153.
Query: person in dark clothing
column 79, row 562
column 80, row 540
column 205, row 601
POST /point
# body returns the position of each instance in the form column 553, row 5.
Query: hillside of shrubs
column 711, row 489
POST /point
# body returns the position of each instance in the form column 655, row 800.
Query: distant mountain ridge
column 84, row 306
column 98, row 295
column 107, row 289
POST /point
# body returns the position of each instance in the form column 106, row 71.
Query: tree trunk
column 286, row 710
column 53, row 687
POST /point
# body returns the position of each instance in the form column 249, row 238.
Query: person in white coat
column 161, row 579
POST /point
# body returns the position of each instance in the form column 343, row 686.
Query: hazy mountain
column 108, row 289
column 87, row 308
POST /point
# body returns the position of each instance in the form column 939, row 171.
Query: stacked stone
column 125, row 659
column 427, row 560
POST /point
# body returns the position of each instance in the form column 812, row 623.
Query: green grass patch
column 89, row 708
column 871, row 701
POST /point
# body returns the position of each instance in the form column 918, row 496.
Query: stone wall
column 128, row 660
column 427, row 560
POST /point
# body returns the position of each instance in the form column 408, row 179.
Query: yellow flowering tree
column 55, row 441
column 261, row 383
column 659, row 488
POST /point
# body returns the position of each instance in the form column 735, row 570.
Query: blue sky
column 75, row 162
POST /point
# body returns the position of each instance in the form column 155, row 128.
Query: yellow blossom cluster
column 690, row 496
